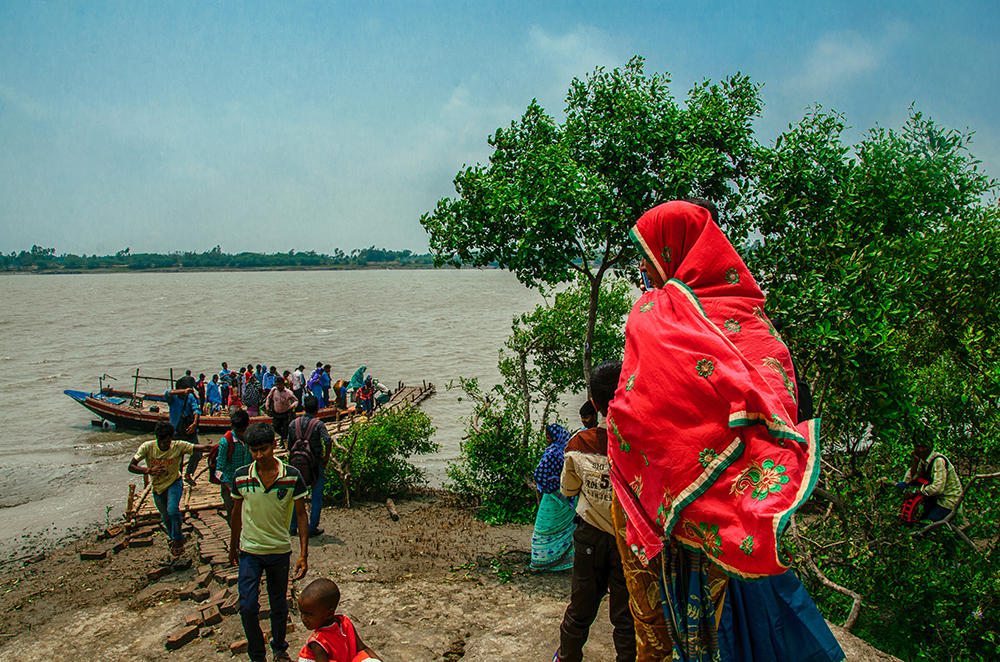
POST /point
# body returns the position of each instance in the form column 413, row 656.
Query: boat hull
column 143, row 420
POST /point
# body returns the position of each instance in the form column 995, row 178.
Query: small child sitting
column 334, row 638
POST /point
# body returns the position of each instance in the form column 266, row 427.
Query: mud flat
column 435, row 585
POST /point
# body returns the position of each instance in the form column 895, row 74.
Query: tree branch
column 852, row 617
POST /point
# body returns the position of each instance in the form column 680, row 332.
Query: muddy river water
column 59, row 474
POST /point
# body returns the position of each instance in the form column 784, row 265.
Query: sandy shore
column 436, row 585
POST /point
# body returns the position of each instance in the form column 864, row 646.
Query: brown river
column 61, row 475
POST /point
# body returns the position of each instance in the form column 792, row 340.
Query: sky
column 255, row 126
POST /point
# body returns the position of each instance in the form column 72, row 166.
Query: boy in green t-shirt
column 163, row 463
column 266, row 495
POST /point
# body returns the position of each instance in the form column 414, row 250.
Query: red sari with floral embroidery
column 704, row 442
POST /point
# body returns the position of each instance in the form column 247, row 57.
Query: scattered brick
column 200, row 594
column 181, row 564
column 93, row 554
column 35, row 559
column 182, row 636
column 231, row 605
column 211, row 616
column 140, row 542
column 162, row 571
column 193, row 618
column 203, row 580
column 239, row 647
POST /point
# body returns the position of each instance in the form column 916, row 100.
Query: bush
column 495, row 463
column 377, row 461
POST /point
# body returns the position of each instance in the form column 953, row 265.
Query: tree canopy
column 557, row 200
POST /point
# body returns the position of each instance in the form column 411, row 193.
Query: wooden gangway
column 205, row 495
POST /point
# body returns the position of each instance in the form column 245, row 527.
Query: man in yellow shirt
column 163, row 463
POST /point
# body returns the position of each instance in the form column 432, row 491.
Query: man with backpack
column 933, row 476
column 309, row 447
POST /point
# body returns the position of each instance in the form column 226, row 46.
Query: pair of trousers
column 275, row 568
column 168, row 503
column 280, row 423
column 315, row 507
column 597, row 567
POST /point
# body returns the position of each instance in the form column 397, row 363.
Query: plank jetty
column 206, row 496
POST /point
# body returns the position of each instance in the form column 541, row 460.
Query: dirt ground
column 436, row 585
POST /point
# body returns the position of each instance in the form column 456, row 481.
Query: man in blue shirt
column 184, row 415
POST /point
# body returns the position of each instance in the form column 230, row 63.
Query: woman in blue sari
column 552, row 540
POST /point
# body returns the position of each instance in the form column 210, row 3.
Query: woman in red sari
column 708, row 460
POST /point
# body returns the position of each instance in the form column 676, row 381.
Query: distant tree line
column 45, row 259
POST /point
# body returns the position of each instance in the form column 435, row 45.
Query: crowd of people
column 253, row 388
column 268, row 501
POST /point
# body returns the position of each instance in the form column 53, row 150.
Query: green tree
column 881, row 259
column 373, row 457
column 542, row 358
column 540, row 362
column 556, row 201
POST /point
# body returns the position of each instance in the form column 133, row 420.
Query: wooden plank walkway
column 205, row 495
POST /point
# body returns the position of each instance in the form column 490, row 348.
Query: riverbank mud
column 435, row 585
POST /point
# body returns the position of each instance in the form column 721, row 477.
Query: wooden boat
column 142, row 411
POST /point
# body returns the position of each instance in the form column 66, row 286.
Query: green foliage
column 541, row 359
column 557, row 200
column 494, row 463
column 378, row 462
column 882, row 259
column 539, row 362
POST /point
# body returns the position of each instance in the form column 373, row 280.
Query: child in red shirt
column 334, row 638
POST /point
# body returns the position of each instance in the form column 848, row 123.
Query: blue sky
column 257, row 126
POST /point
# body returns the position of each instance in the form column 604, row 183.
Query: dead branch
column 837, row 502
column 342, row 467
column 852, row 617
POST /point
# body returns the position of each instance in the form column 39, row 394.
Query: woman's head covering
column 549, row 469
column 703, row 437
column 558, row 434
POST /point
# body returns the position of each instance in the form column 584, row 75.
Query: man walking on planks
column 265, row 495
column 163, row 463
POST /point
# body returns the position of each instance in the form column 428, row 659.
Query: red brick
column 140, row 542
column 162, row 571
column 194, row 618
column 211, row 616
column 182, row 636
column 238, row 647
column 231, row 605
column 93, row 554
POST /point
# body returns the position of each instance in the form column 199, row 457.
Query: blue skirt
column 768, row 620
column 552, row 540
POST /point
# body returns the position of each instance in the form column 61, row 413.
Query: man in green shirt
column 265, row 495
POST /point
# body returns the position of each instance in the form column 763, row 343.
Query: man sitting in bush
column 943, row 486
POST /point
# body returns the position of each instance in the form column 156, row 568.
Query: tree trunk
column 588, row 343
column 526, row 396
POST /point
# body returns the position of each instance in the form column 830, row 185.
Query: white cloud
column 841, row 59
column 572, row 54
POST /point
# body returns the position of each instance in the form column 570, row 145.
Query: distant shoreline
column 170, row 270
